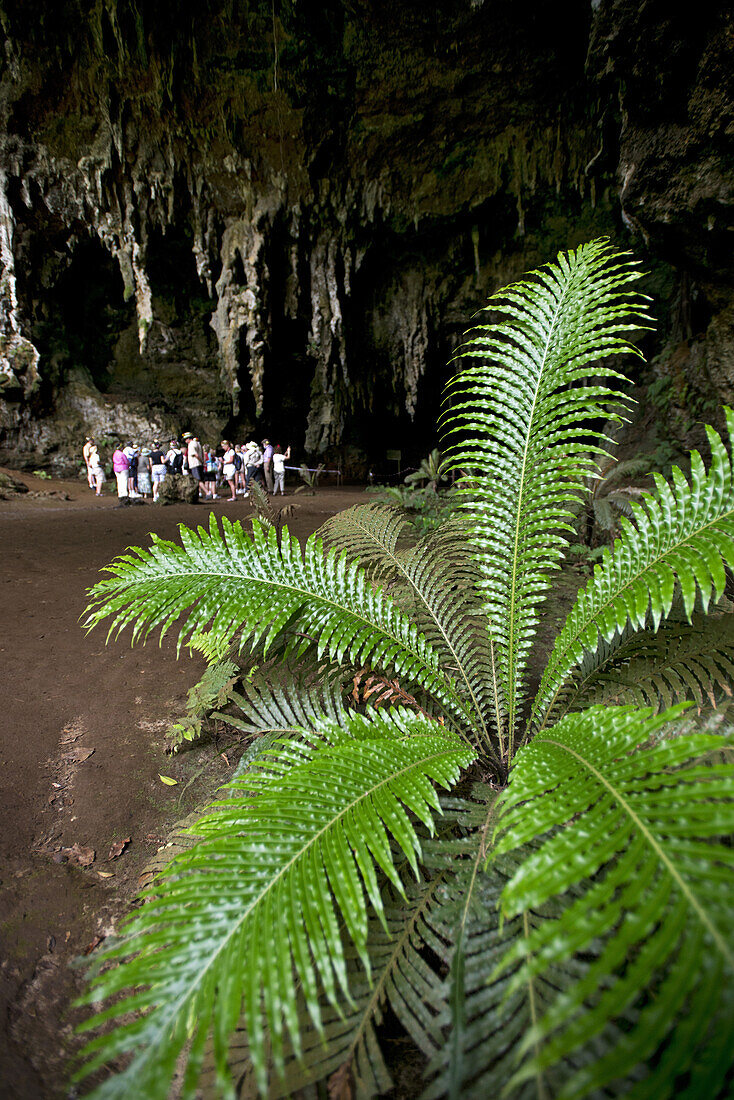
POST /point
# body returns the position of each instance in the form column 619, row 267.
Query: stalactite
column 241, row 304
column 202, row 234
column 326, row 341
column 18, row 356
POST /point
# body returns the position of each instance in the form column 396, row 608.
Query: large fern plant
column 559, row 925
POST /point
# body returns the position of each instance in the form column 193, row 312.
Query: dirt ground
column 82, row 749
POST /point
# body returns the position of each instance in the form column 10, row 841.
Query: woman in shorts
column 209, row 476
column 96, row 471
column 157, row 468
column 228, row 467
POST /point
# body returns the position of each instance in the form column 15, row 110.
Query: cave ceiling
column 281, row 216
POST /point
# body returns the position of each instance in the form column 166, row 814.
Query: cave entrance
column 84, row 315
column 288, row 366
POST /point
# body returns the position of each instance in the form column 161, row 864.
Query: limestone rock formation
column 178, row 489
column 270, row 217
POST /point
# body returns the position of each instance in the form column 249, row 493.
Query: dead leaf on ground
column 118, row 848
column 91, row 946
column 80, row 855
column 106, row 874
column 340, row 1084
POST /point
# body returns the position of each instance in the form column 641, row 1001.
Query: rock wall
column 240, row 216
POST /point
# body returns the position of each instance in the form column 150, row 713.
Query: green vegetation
column 559, row 924
column 309, row 479
column 422, row 499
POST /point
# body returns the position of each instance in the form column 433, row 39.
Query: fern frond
column 281, row 702
column 678, row 663
column 275, row 873
column 213, row 690
column 639, row 836
column 225, row 581
column 372, row 534
column 526, row 445
column 479, row 1015
column 436, row 583
column 682, row 535
column 348, row 1047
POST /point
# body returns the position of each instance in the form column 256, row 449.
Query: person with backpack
column 239, row 464
column 174, row 458
column 209, row 477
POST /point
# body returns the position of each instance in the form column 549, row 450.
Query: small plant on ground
column 424, row 504
column 309, row 479
column 537, row 885
column 431, row 472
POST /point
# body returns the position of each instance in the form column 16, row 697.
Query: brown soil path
column 81, row 749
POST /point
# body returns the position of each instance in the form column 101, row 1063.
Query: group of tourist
column 140, row 471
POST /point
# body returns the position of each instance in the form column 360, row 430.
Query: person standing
column 145, row 477
column 86, row 452
column 279, row 461
column 157, row 468
column 211, row 469
column 253, row 464
column 195, row 459
column 228, row 467
column 131, row 452
column 174, row 458
column 96, row 470
column 121, row 467
column 268, row 464
column 239, row 466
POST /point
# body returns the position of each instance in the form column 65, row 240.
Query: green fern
column 356, row 783
column 684, row 535
column 213, row 690
column 529, row 443
column 657, row 670
column 562, row 932
column 642, row 834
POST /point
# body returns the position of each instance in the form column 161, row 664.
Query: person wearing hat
column 253, row 464
column 174, row 458
column 185, row 451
